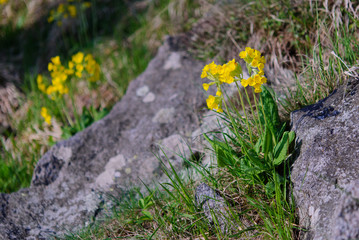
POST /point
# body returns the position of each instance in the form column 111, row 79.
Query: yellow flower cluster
column 40, row 83
column 59, row 76
column 255, row 65
column 65, row 10
column 231, row 72
column 219, row 74
column 214, row 102
column 224, row 73
column 59, row 73
column 93, row 68
column 46, row 115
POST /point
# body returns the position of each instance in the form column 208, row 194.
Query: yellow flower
column 60, row 8
column 78, row 57
column 39, row 79
column 246, row 82
column 86, row 4
column 257, row 88
column 254, row 63
column 92, row 67
column 72, row 10
column 45, row 115
column 257, row 79
column 211, row 102
column 50, row 19
column 40, row 83
column 3, row 1
column 204, row 74
column 56, row 60
column 205, row 86
column 219, row 93
column 260, row 66
column 78, row 74
column 79, row 68
column 263, row 80
column 243, row 54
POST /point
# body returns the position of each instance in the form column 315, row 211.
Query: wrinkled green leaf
column 258, row 145
column 268, row 141
column 281, row 149
column 256, row 160
column 141, row 203
column 146, row 215
column 269, row 109
column 248, row 170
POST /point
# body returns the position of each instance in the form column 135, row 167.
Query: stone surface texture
column 213, row 206
column 325, row 173
column 161, row 110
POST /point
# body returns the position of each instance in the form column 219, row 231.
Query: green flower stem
column 76, row 115
column 244, row 146
column 259, row 127
column 63, row 111
column 245, row 113
column 259, row 120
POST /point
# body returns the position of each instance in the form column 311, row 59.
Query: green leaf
column 270, row 110
column 148, row 204
column 291, row 136
column 281, row 131
column 141, row 203
column 258, row 145
column 256, row 160
column 146, row 215
column 267, row 142
column 281, row 149
column 247, row 170
column 270, row 189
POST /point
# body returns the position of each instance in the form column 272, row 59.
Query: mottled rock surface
column 326, row 172
column 214, row 206
column 161, row 109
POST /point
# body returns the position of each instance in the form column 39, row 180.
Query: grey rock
column 327, row 164
column 72, row 180
column 150, row 97
column 214, row 207
column 346, row 218
column 142, row 91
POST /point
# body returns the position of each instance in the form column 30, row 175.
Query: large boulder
column 161, row 109
column 326, row 172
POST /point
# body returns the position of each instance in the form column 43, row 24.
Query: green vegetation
column 117, row 45
column 318, row 42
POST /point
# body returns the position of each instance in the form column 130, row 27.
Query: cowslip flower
column 47, row 117
column 214, row 103
column 72, row 10
column 65, row 10
column 219, row 74
column 255, row 65
column 40, row 83
column 92, row 67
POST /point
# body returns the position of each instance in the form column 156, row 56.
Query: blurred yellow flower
column 78, row 57
column 72, row 10
column 46, row 115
